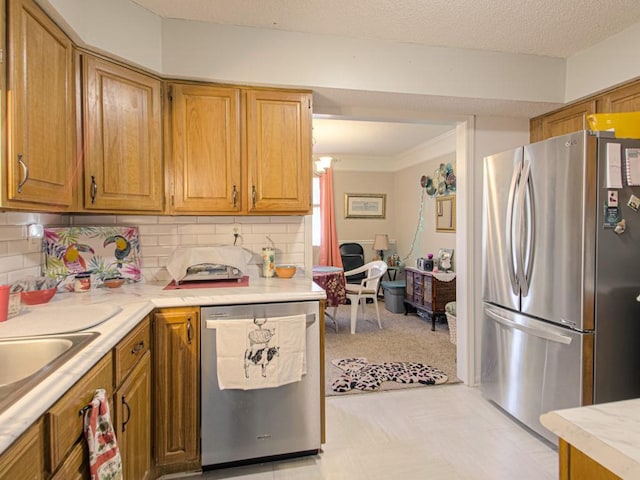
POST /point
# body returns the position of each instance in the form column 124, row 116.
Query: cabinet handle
column 124, row 424
column 189, row 330
column 253, row 195
column 235, row 196
column 25, row 175
column 94, row 189
column 137, row 348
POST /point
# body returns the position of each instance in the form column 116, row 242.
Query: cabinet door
column 623, row 99
column 25, row 458
column 176, row 380
column 41, row 114
column 205, row 128
column 567, row 120
column 133, row 421
column 123, row 138
column 278, row 152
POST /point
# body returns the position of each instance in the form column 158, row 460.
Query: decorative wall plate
column 105, row 252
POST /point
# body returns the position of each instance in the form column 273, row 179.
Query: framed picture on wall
column 365, row 205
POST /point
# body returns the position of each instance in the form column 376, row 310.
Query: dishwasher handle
column 213, row 319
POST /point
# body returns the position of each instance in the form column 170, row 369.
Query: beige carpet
column 402, row 339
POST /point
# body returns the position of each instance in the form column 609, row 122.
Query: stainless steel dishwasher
column 244, row 426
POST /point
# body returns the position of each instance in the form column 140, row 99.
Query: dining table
column 331, row 279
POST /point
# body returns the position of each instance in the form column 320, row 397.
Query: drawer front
column 76, row 465
column 131, row 349
column 65, row 424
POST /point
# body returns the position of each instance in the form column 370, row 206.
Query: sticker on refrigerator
column 612, row 198
column 612, row 216
column 634, row 203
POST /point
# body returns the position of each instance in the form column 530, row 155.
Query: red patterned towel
column 104, row 456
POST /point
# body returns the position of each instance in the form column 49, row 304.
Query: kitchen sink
column 26, row 361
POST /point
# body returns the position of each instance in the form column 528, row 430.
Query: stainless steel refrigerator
column 561, row 324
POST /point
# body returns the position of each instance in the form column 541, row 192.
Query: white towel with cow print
column 260, row 353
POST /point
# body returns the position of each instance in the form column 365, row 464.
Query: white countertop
column 609, row 433
column 135, row 301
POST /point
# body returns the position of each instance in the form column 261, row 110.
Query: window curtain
column 329, row 248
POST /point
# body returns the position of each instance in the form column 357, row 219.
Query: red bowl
column 36, row 297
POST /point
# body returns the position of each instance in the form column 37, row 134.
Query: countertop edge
column 135, row 304
column 590, row 444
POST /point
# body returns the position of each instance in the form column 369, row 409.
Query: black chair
column 352, row 255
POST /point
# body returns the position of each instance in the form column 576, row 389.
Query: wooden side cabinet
column 427, row 294
column 575, row 465
column 176, row 380
column 39, row 166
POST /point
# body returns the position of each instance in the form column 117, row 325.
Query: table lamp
column 381, row 243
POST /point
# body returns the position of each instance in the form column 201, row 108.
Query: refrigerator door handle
column 531, row 229
column 509, row 240
column 522, row 228
column 554, row 337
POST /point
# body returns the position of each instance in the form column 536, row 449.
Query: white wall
column 362, row 229
column 119, row 27
column 247, row 55
column 610, row 62
column 159, row 236
column 415, row 213
column 20, row 257
column 273, row 57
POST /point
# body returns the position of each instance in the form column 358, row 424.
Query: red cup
column 4, row 302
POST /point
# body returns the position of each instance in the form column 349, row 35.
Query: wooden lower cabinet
column 64, row 424
column 176, row 381
column 133, row 421
column 75, row 466
column 575, row 465
column 25, row 458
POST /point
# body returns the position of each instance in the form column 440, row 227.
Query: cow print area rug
column 359, row 374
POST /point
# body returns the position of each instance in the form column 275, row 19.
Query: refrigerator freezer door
column 556, row 247
column 530, row 367
column 501, row 174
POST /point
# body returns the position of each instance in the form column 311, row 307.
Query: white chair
column 367, row 288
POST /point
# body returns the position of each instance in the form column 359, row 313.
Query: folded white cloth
column 185, row 257
column 260, row 353
column 444, row 276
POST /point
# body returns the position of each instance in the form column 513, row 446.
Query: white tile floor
column 445, row 432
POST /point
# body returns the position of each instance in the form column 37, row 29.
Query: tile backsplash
column 159, row 235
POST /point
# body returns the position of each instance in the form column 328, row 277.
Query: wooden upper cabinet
column 205, row 146
column 40, row 100
column 620, row 100
column 122, row 127
column 567, row 120
column 278, row 152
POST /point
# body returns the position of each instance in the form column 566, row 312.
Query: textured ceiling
column 557, row 28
